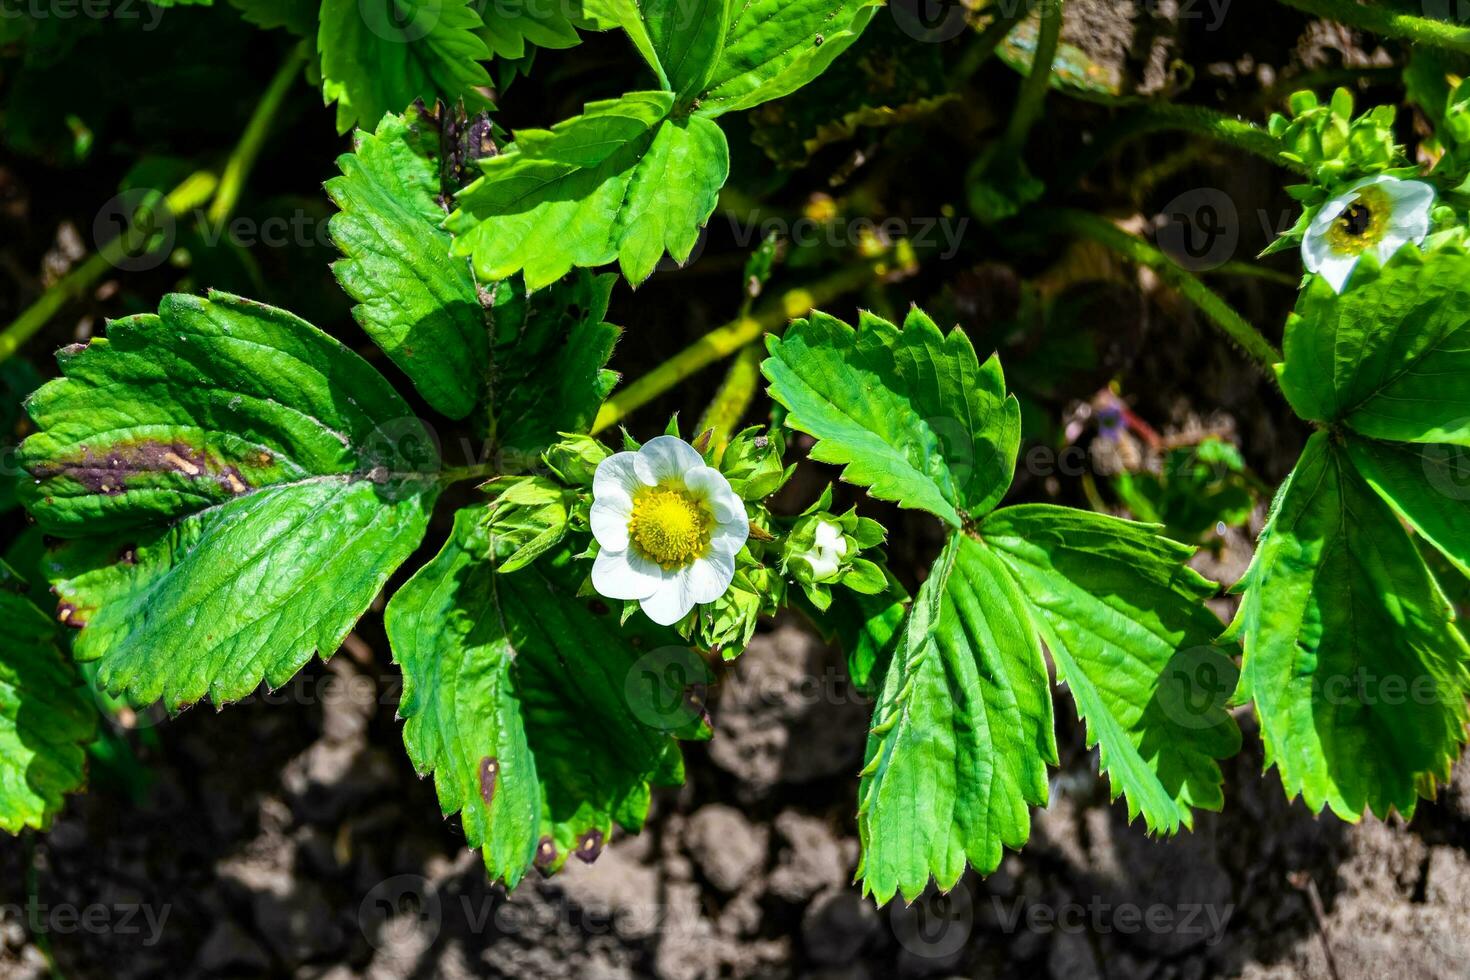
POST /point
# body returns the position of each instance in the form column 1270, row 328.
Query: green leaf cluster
column 635, row 177
column 963, row 731
column 1353, row 657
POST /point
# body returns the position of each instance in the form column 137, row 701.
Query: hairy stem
column 1136, row 250
column 1037, row 83
column 252, row 140
column 726, row 340
column 1237, row 133
column 1379, row 19
column 194, row 192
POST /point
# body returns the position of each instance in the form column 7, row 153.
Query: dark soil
column 293, row 838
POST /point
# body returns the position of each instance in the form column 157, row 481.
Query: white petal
column 1316, row 249
column 829, row 538
column 1392, row 242
column 1336, row 269
column 710, row 484
column 670, row 603
column 728, row 537
column 709, row 577
column 616, row 478
column 666, row 458
column 625, row 575
column 1410, row 219
column 1322, row 223
column 610, row 522
column 1410, row 197
column 824, row 563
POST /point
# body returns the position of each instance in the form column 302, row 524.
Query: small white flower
column 828, row 550
column 669, row 528
column 1379, row 214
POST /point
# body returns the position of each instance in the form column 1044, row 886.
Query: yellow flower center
column 1362, row 225
column 669, row 526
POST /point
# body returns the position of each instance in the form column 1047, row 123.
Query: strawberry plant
column 223, row 490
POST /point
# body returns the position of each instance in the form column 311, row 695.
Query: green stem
column 1374, row 17
column 726, row 340
column 1136, row 250
column 194, row 192
column 733, row 398
column 1238, row 133
column 1036, row 84
column 252, row 140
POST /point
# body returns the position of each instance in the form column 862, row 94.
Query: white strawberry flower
column 828, row 550
column 1379, row 214
column 669, row 528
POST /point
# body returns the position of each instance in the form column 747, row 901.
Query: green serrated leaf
column 774, row 47
column 962, row 732
column 419, row 305
column 527, row 706
column 1381, row 357
column 625, row 181
column 1123, row 618
column 509, row 27
column 378, row 56
column 46, row 716
column 1351, row 654
column 266, row 509
column 911, row 413
column 685, row 37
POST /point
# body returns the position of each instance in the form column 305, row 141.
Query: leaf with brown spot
column 242, row 484
column 516, row 698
